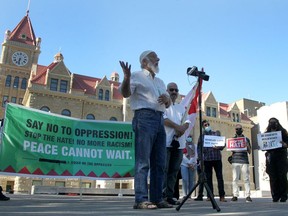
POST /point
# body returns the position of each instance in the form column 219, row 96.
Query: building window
column 213, row 112
column 13, row 99
column 20, row 101
column 208, row 111
column 8, row 81
column 24, row 83
column 90, row 117
column 63, row 86
column 54, row 85
column 100, row 96
column 37, row 182
column 237, row 117
column 16, row 82
column 45, row 108
column 113, row 119
column 4, row 100
column 60, row 183
column 66, row 112
column 107, row 95
column 86, row 185
column 234, row 119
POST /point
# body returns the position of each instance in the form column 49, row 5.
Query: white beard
column 154, row 68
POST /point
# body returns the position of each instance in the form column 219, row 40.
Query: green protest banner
column 40, row 143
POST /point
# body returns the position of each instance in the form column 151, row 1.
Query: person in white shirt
column 176, row 124
column 148, row 100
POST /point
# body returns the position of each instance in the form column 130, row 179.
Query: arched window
column 90, row 117
column 24, row 83
column 113, row 119
column 8, row 81
column 66, row 112
column 16, row 82
column 107, row 95
column 100, row 96
column 45, row 108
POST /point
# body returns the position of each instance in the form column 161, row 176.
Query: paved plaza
column 44, row 205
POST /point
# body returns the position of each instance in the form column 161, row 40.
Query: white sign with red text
column 236, row 144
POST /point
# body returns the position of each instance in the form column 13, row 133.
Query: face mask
column 239, row 132
column 189, row 139
column 208, row 128
column 273, row 125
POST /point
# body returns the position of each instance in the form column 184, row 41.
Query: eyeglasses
column 173, row 89
column 206, row 125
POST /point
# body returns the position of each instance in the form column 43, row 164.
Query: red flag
column 191, row 104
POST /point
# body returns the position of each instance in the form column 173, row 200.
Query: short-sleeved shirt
column 175, row 112
column 145, row 91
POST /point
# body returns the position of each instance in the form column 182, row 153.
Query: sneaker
column 248, row 199
column 234, row 199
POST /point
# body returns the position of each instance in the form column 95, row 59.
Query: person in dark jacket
column 240, row 162
column 276, row 163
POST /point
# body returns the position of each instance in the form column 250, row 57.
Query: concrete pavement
column 44, row 205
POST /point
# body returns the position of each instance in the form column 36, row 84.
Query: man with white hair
column 148, row 100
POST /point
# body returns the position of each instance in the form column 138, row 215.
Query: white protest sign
column 269, row 140
column 236, row 144
column 212, row 141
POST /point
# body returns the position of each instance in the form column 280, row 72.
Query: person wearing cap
column 240, row 162
column 176, row 123
column 189, row 166
column 148, row 100
column 212, row 159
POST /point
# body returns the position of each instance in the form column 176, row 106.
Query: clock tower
column 18, row 62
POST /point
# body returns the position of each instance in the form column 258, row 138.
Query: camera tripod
column 202, row 180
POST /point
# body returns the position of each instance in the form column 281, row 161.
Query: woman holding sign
column 276, row 163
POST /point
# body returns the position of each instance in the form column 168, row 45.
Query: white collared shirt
column 175, row 113
column 145, row 91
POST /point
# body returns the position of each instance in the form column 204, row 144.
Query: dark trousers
column 174, row 158
column 208, row 169
column 276, row 167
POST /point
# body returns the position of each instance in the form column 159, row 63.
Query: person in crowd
column 176, row 123
column 189, row 166
column 2, row 196
column 240, row 162
column 276, row 163
column 148, row 100
column 212, row 160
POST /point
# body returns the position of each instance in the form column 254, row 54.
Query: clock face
column 20, row 58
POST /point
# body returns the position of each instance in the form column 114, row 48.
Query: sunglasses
column 206, row 125
column 238, row 128
column 173, row 89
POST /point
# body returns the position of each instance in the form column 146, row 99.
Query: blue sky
column 242, row 44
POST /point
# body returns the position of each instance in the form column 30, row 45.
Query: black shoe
column 248, row 199
column 283, row 199
column 172, row 201
column 3, row 197
column 234, row 199
column 199, row 198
